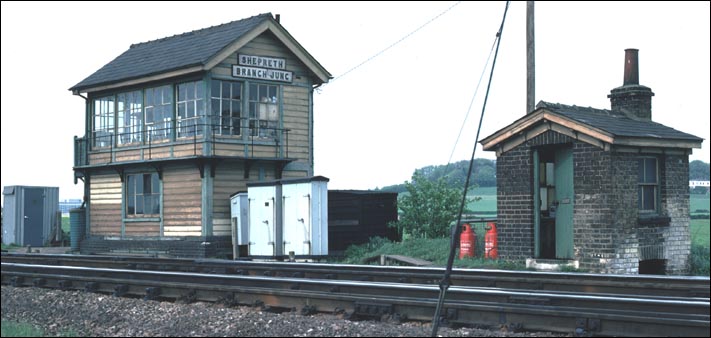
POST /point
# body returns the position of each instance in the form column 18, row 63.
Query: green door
column 564, row 199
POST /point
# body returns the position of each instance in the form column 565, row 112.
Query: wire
column 471, row 103
column 393, row 44
column 444, row 284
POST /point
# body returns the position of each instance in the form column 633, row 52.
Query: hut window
column 159, row 113
column 142, row 194
column 130, row 117
column 226, row 107
column 263, row 110
column 648, row 183
column 190, row 108
column 103, row 122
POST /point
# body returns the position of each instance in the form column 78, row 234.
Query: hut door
column 33, row 214
column 564, row 199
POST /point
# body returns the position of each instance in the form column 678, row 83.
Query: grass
column 699, row 229
column 15, row 329
column 11, row 246
column 433, row 250
column 65, row 224
column 20, row 329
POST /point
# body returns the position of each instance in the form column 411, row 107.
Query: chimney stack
column 632, row 99
column 278, row 18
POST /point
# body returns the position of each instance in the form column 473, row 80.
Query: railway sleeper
column 120, row 290
column 586, row 326
column 64, row 284
column 230, row 299
column 152, row 293
column 188, row 297
column 372, row 310
column 308, row 310
column 91, row 286
column 17, row 281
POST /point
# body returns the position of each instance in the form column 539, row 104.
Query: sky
column 401, row 110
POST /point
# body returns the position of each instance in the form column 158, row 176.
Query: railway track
column 560, row 310
column 529, row 280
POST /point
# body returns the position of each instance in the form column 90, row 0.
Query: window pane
column 237, row 91
column 156, row 204
column 200, row 90
column 647, row 196
column 149, row 96
column 215, row 109
column 139, row 204
column 147, row 184
column 226, row 90
column 181, row 110
column 167, row 94
column 156, row 183
column 148, row 204
column 272, row 93
column 191, row 110
column 253, row 92
column 650, row 170
column 139, row 184
column 215, row 88
column 130, row 185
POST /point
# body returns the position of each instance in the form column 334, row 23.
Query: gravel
column 88, row 314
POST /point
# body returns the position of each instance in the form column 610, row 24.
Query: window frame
column 103, row 121
column 644, row 182
column 191, row 104
column 158, row 105
column 230, row 125
column 264, row 112
column 150, row 199
column 130, row 116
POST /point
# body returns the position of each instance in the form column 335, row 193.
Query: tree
column 698, row 171
column 428, row 208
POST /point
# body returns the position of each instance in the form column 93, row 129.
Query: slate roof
column 171, row 53
column 616, row 123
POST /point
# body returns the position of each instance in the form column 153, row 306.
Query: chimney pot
column 631, row 67
column 278, row 18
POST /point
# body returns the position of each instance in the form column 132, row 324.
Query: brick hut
column 606, row 190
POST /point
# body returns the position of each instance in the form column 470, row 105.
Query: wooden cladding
column 105, row 205
column 182, row 201
column 228, row 180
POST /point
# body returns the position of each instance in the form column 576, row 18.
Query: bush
column 428, row 208
column 699, row 260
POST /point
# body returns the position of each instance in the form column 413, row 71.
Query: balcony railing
column 232, row 131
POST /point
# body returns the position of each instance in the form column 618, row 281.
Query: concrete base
column 551, row 264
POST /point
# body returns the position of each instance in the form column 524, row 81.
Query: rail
column 581, row 313
column 669, row 286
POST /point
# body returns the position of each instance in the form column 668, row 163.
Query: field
column 699, row 202
column 487, row 205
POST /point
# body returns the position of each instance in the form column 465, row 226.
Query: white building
column 694, row 184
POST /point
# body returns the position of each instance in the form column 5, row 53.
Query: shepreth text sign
column 261, row 67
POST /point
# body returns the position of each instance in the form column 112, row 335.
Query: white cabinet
column 262, row 219
column 305, row 216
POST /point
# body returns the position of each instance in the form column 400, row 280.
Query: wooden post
column 530, row 59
